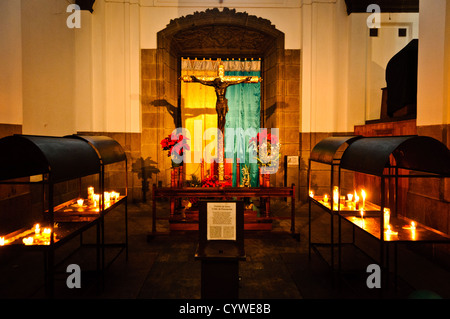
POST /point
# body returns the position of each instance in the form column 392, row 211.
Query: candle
column 37, row 229
column 107, row 197
column 311, row 194
column 387, row 214
column 413, row 226
column 47, row 231
column 28, row 240
column 90, row 193
column 96, row 198
column 325, row 198
column 350, row 200
column 356, row 201
column 80, row 202
column 362, row 213
column 2, row 241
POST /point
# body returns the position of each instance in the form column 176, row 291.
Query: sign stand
column 220, row 248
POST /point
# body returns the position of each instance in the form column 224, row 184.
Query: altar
column 233, row 159
column 187, row 219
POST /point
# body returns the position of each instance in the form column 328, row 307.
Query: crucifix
column 220, row 84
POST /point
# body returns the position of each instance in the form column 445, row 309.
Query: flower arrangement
column 213, row 181
column 175, row 144
column 266, row 147
column 245, row 176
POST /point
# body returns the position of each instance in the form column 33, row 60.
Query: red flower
column 179, row 142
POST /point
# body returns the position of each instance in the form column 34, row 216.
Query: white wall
column 108, row 72
column 343, row 69
column 432, row 106
column 284, row 15
column 120, row 29
column 10, row 62
column 62, row 80
column 48, row 68
column 325, row 67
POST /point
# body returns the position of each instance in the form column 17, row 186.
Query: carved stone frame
column 257, row 38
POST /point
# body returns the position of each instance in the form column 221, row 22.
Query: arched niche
column 220, row 33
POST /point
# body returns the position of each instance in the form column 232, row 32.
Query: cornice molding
column 357, row 6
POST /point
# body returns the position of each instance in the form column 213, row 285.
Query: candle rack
column 110, row 154
column 321, row 181
column 384, row 162
column 53, row 164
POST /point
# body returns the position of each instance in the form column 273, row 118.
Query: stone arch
column 220, row 33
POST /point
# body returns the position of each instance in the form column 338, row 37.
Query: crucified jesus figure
column 220, row 84
column 221, row 88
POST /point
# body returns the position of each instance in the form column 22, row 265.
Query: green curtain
column 243, row 113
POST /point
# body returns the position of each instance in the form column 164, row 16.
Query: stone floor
column 277, row 265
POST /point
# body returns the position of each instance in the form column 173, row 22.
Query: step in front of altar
column 189, row 221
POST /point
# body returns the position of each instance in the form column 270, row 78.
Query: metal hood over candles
column 61, row 158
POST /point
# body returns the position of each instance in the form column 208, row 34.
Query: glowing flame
column 28, row 240
column 335, row 194
column 37, row 229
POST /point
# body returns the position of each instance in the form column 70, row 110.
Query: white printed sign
column 221, row 221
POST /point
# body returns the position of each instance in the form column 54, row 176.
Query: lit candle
column 37, row 229
column 311, row 194
column 363, row 194
column 96, row 199
column 28, row 240
column 90, row 193
column 387, row 214
column 350, row 200
column 362, row 213
column 80, row 202
column 325, row 198
column 47, row 231
column 413, row 226
column 2, row 241
column 107, row 197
